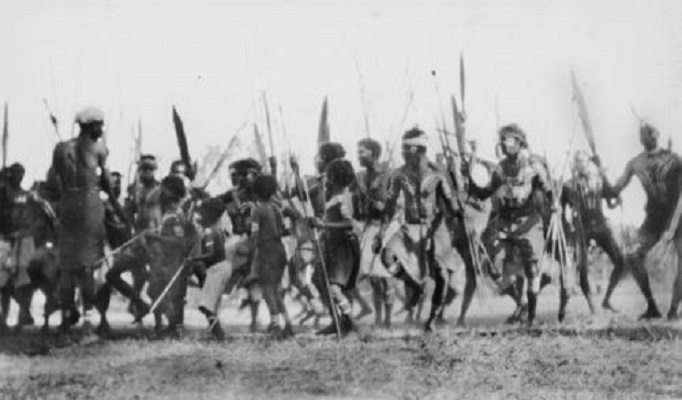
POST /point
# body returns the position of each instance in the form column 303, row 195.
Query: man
column 143, row 208
column 235, row 270
column 327, row 153
column 180, row 168
column 15, row 231
column 521, row 185
column 78, row 173
column 660, row 172
column 422, row 247
column 584, row 193
column 369, row 204
column 118, row 230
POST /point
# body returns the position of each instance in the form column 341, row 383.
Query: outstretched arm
column 614, row 190
column 483, row 193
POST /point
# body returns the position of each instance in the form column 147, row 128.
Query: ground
column 602, row 356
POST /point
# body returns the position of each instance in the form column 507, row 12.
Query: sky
column 216, row 60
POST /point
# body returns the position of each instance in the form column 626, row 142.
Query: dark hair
column 415, row 132
column 341, row 172
column 264, row 187
column 246, row 164
column 17, row 168
column 648, row 129
column 211, row 210
column 174, row 186
column 372, row 145
column 515, row 131
column 116, row 174
column 331, row 151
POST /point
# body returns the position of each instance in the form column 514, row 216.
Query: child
column 341, row 248
column 169, row 249
column 269, row 260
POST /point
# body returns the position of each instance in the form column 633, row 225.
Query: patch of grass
column 638, row 362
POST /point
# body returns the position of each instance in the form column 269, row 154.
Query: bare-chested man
column 660, row 172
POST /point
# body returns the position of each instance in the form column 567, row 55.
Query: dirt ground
column 602, row 356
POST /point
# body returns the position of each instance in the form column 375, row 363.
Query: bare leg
column 532, row 290
column 378, row 295
column 271, row 298
column 469, row 285
column 365, row 309
column 610, row 247
column 440, row 287
column 4, row 307
column 254, row 297
column 677, row 287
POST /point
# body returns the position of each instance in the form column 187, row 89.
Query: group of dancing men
column 318, row 236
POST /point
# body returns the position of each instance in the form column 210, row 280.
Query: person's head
column 581, row 161
column 91, row 123
column 179, row 168
column 210, row 211
column 369, row 152
column 115, row 180
column 512, row 139
column 648, row 136
column 264, row 187
column 340, row 175
column 15, row 174
column 244, row 172
column 414, row 144
column 327, row 153
column 173, row 190
column 146, row 168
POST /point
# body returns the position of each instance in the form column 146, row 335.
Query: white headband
column 416, row 141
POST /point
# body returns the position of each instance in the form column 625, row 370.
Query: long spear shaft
column 5, row 137
column 53, row 119
column 224, row 156
column 269, row 125
column 322, row 262
column 363, row 99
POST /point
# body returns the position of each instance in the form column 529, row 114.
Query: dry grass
column 636, row 361
column 605, row 356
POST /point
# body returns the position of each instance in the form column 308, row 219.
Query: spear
column 579, row 98
column 497, row 113
column 391, row 143
column 323, row 134
column 260, row 147
column 53, row 119
column 225, row 155
column 584, row 116
column 273, row 160
column 5, row 137
column 182, row 143
column 363, row 98
column 318, row 246
column 462, row 80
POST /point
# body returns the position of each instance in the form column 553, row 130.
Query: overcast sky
column 214, row 59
